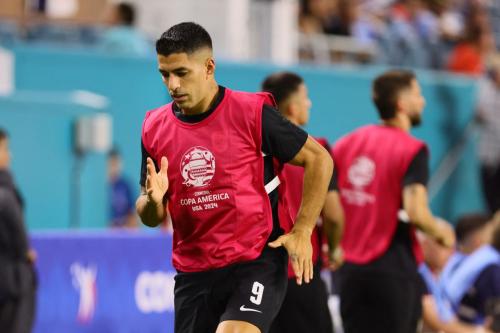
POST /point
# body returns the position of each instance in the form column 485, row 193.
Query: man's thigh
column 260, row 287
column 196, row 310
column 245, row 293
column 236, row 326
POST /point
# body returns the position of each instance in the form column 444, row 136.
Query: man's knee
column 236, row 326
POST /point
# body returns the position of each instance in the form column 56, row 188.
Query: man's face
column 436, row 256
column 301, row 104
column 413, row 103
column 114, row 167
column 4, row 154
column 481, row 237
column 187, row 76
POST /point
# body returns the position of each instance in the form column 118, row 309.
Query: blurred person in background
column 439, row 26
column 121, row 194
column 354, row 20
column 411, row 34
column 367, row 24
column 340, row 23
column 121, row 36
column 469, row 55
column 450, row 19
column 382, row 175
column 222, row 191
column 493, row 9
column 316, row 15
column 17, row 274
column 437, row 313
column 488, row 115
column 305, row 308
column 471, row 232
column 476, row 281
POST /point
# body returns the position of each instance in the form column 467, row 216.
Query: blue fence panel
column 41, row 137
column 105, row 282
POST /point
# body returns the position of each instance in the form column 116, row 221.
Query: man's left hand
column 299, row 248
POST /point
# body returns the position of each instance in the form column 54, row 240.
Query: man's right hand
column 335, row 258
column 416, row 205
column 445, row 235
column 156, row 182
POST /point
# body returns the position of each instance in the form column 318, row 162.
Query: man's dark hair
column 114, row 153
column 469, row 223
column 281, row 85
column 3, row 134
column 127, row 13
column 186, row 37
column 386, row 89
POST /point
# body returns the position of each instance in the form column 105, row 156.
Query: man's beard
column 415, row 120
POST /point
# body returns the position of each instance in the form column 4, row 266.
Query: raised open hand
column 156, row 182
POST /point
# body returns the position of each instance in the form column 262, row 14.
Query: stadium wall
column 40, row 128
column 341, row 102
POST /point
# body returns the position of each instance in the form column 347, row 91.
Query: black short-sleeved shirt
column 280, row 139
column 399, row 258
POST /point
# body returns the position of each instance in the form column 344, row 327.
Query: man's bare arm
column 431, row 319
column 318, row 168
column 333, row 225
column 415, row 203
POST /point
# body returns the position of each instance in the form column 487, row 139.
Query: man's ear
column 210, row 65
column 290, row 109
column 400, row 104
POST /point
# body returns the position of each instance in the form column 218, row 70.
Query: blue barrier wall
column 104, row 282
column 40, row 129
column 341, row 102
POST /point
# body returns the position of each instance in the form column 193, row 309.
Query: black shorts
column 251, row 291
column 305, row 308
column 379, row 302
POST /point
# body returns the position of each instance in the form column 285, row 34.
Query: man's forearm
column 426, row 223
column 317, row 174
column 151, row 213
column 433, row 228
column 333, row 219
column 333, row 232
column 416, row 205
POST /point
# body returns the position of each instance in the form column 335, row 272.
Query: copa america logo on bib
column 361, row 172
column 198, row 167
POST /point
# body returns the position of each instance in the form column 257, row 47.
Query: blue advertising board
column 104, row 282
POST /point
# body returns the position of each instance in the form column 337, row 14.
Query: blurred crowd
column 108, row 27
column 457, row 35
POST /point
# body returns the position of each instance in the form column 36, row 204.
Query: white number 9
column 257, row 290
